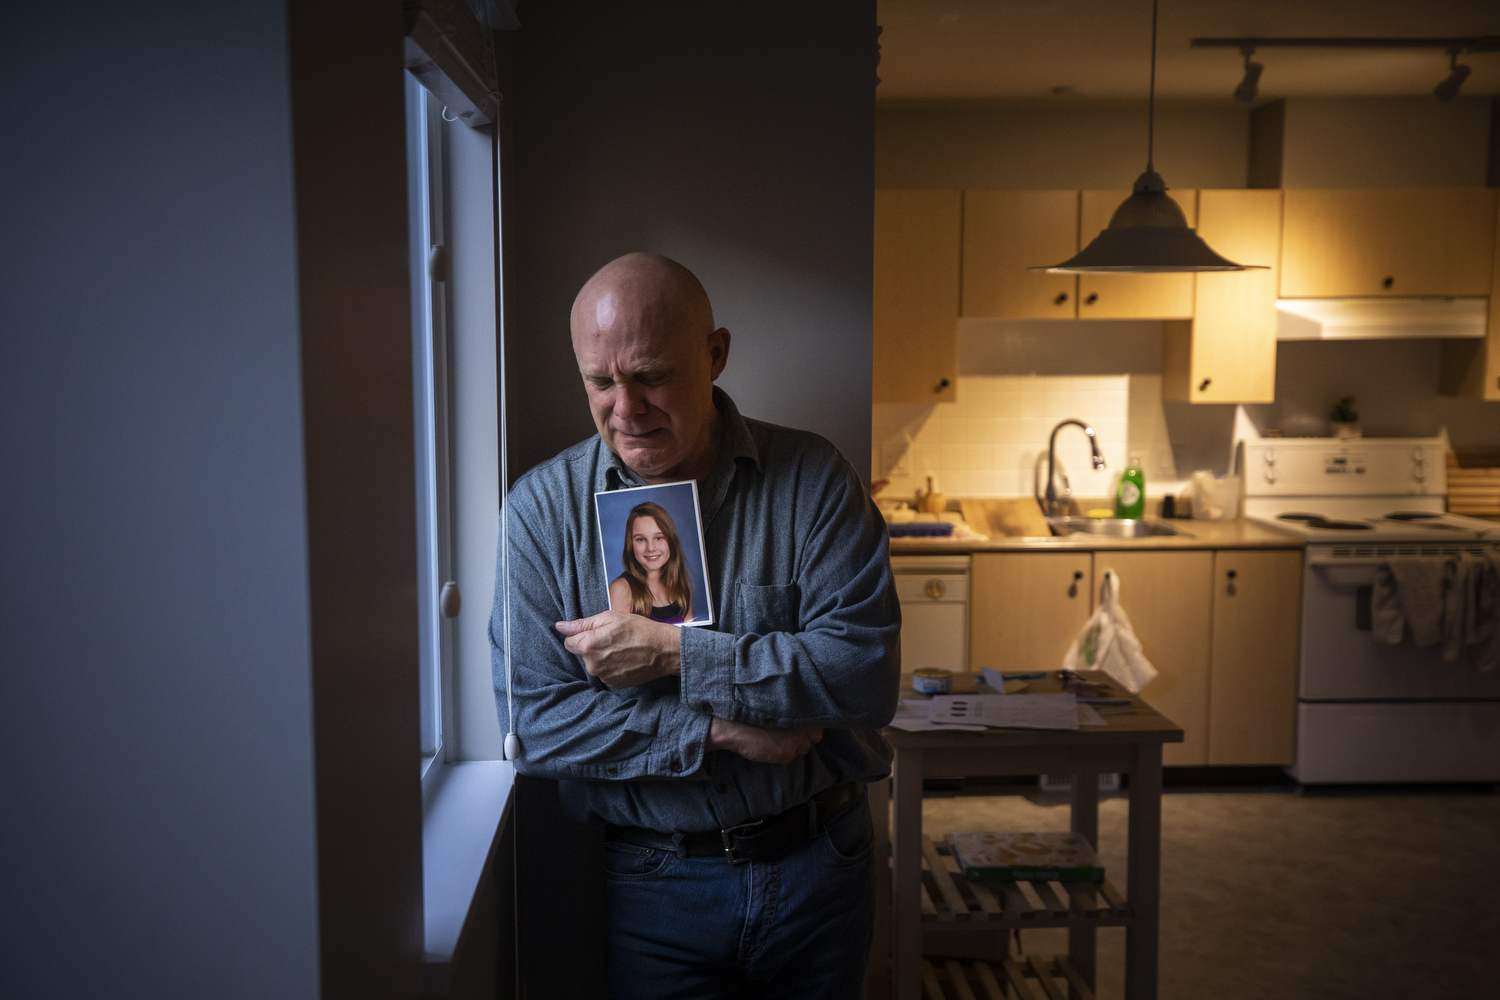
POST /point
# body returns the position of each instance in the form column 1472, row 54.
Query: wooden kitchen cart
column 934, row 911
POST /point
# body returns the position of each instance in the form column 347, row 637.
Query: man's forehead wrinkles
column 630, row 370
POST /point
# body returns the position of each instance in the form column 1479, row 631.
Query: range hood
column 1380, row 318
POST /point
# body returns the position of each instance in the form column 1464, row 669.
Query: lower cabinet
column 1252, row 710
column 1026, row 607
column 1167, row 597
column 1221, row 628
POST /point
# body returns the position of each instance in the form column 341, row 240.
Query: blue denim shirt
column 805, row 634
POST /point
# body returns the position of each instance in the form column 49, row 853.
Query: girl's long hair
column 674, row 574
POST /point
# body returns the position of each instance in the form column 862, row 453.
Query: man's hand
column 758, row 743
column 622, row 649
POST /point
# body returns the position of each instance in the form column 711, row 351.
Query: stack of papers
column 1026, row 857
column 995, row 711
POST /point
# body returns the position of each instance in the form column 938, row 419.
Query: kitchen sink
column 1111, row 527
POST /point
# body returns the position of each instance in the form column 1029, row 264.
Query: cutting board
column 1006, row 518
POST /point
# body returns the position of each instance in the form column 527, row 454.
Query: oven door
column 1343, row 662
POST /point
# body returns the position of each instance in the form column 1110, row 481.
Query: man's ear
column 718, row 351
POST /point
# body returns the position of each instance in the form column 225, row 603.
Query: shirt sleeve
column 827, row 653
column 569, row 724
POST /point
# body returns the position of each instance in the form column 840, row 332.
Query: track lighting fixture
column 1448, row 89
column 1445, row 91
column 1250, row 85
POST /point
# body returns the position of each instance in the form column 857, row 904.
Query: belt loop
column 677, row 848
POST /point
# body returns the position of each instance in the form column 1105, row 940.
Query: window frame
column 432, row 407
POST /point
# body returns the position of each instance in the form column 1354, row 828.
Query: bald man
column 729, row 762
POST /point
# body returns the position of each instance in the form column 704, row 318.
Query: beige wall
column 1374, row 142
column 1059, row 145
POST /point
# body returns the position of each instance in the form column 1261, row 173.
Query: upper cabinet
column 917, row 241
column 1437, row 241
column 1228, row 353
column 1006, row 232
column 1471, row 368
column 1131, row 296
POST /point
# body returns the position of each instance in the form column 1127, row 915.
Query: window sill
column 460, row 826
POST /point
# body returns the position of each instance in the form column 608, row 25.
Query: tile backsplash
column 989, row 441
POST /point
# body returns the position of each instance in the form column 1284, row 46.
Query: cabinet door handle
column 1061, row 298
column 1230, row 586
column 935, row 588
column 1205, row 384
column 941, row 386
column 1073, row 590
column 1093, row 297
column 1388, row 282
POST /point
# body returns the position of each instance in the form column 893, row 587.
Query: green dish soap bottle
column 1130, row 495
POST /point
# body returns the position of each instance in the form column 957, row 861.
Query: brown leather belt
column 762, row 841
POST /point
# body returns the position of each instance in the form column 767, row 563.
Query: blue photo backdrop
column 680, row 501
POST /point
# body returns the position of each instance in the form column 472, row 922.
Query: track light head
column 1250, row 85
column 1448, row 89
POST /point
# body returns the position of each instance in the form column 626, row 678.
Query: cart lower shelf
column 948, row 898
column 1030, row 977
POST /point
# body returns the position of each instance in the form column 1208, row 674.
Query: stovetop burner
column 1326, row 523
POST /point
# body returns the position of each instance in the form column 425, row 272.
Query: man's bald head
column 643, row 333
column 643, row 288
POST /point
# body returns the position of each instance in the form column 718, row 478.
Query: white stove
column 1368, row 711
column 1412, row 530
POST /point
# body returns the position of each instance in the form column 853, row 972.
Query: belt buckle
column 727, row 835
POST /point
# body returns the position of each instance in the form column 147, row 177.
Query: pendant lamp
column 1148, row 233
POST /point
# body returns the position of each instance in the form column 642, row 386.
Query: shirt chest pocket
column 770, row 608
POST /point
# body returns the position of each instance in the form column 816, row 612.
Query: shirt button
column 613, row 771
column 676, row 765
column 721, row 788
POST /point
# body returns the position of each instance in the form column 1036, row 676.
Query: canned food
column 932, row 681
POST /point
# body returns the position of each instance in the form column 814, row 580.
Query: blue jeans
column 685, row 928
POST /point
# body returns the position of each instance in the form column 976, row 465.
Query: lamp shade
column 1148, row 234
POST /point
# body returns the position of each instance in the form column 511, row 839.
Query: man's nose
column 629, row 401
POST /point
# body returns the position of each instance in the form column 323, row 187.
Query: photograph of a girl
column 655, row 582
column 651, row 547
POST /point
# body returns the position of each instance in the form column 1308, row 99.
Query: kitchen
column 1373, row 205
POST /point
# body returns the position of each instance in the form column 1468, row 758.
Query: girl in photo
column 655, row 581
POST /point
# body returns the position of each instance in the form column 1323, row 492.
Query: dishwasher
column 934, row 596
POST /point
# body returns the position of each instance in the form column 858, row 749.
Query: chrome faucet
column 1052, row 507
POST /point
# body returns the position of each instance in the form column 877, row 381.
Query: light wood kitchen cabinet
column 1168, row 599
column 1026, row 607
column 1228, row 353
column 917, row 246
column 1471, row 368
column 1257, row 600
column 1411, row 241
column 1006, row 232
column 1131, row 296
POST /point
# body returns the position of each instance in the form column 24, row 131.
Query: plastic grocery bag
column 1108, row 643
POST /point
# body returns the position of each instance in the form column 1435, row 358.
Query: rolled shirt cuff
column 707, row 669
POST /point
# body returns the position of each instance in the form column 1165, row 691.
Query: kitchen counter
column 1237, row 534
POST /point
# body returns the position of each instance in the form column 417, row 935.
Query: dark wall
column 155, row 694
column 738, row 139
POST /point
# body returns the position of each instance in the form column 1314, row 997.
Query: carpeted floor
column 1274, row 895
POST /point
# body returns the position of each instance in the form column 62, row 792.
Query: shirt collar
column 737, row 443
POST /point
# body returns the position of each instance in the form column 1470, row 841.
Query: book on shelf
column 1026, row 857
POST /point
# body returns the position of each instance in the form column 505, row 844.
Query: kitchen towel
column 1415, row 592
column 1453, row 601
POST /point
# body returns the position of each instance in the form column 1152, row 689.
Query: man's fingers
column 815, row 734
column 578, row 625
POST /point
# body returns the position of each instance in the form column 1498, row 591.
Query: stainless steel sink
column 1111, row 527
